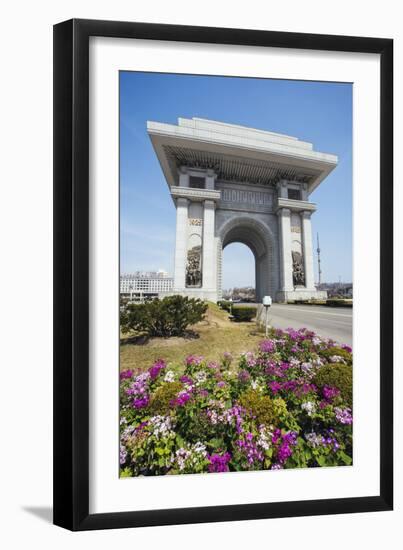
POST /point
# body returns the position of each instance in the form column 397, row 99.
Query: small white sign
column 267, row 301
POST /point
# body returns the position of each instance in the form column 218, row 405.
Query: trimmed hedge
column 339, row 302
column 339, row 376
column 243, row 313
column 161, row 402
column 259, row 406
column 224, row 304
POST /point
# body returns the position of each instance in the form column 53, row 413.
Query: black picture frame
column 71, row 274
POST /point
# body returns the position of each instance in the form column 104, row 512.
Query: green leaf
column 321, row 460
column 345, row 458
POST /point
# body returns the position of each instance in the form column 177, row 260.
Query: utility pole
column 319, row 269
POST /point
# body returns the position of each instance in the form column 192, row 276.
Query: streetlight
column 267, row 303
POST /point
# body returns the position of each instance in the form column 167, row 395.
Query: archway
column 239, row 272
column 257, row 237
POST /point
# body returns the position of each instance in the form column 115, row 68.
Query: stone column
column 284, row 225
column 208, row 265
column 181, row 243
column 183, row 177
column 282, row 190
column 210, row 179
column 307, row 249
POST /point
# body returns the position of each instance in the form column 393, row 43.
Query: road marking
column 314, row 311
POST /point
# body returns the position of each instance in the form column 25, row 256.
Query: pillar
column 307, row 249
column 181, row 243
column 183, row 177
column 210, row 179
column 208, row 265
column 284, row 215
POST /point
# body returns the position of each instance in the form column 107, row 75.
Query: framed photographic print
column 223, row 274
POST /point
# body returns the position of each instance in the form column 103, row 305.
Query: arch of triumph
column 230, row 184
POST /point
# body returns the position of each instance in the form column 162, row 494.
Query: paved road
column 335, row 323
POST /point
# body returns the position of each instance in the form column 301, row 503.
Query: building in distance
column 143, row 284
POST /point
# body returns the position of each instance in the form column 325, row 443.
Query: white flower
column 200, row 448
column 294, row 362
column 308, row 407
column 161, row 425
column 201, row 376
column 336, row 359
column 256, row 385
column 306, row 367
column 314, row 439
column 169, row 376
column 264, row 439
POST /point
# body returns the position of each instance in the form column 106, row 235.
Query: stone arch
column 259, row 238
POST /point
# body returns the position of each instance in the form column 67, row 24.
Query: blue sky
column 318, row 112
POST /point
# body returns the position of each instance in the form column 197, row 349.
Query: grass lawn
column 216, row 334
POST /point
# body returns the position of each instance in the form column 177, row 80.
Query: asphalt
column 335, row 323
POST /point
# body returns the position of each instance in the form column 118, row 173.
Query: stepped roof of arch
column 237, row 153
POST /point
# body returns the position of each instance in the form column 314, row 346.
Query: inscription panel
column 239, row 197
column 259, row 198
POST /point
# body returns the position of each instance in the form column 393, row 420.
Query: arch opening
column 239, row 272
column 256, row 236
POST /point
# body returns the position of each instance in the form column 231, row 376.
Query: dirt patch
column 166, row 342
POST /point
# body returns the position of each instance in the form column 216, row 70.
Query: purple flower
column 330, row 392
column 249, row 449
column 347, row 348
column 293, row 334
column 194, row 360
column 126, row 374
column 181, row 400
column 343, row 416
column 306, row 388
column 186, row 380
column 156, row 369
column 141, row 403
column 243, row 376
column 219, row 463
column 275, row 386
column 291, row 438
column 221, row 384
column 290, row 385
column 267, row 346
column 138, row 388
column 284, row 452
column 276, row 436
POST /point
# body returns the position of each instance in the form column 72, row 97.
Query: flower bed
column 289, row 405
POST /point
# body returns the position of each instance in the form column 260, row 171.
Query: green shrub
column 339, row 302
column 339, row 376
column 225, row 304
column 340, row 352
column 167, row 317
column 262, row 407
column 161, row 399
column 243, row 313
